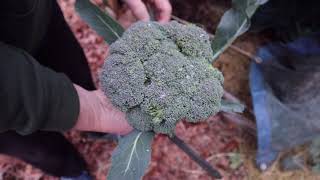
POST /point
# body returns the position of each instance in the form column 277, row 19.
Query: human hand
column 98, row 114
column 139, row 10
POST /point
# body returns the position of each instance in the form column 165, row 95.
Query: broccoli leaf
column 228, row 106
column 233, row 23
column 131, row 157
column 98, row 20
column 235, row 160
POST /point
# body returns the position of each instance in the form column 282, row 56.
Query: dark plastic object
column 83, row 176
column 285, row 91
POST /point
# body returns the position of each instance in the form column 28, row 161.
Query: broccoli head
column 159, row 74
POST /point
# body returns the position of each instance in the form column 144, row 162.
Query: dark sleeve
column 33, row 97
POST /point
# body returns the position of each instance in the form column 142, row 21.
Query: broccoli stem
column 195, row 157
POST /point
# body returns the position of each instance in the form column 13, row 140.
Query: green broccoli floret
column 159, row 74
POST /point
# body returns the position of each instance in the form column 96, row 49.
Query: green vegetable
column 234, row 23
column 132, row 156
column 160, row 74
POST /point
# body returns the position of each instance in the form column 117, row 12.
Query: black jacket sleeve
column 33, row 97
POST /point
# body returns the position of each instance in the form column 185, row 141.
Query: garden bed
column 225, row 145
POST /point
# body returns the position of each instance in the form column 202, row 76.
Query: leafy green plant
column 234, row 23
column 159, row 74
column 124, row 75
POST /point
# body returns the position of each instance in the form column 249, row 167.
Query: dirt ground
column 226, row 146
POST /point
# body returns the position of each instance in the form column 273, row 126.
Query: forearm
column 33, row 97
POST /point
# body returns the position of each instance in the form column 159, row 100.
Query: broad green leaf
column 131, row 157
column 98, row 20
column 235, row 160
column 228, row 106
column 233, row 23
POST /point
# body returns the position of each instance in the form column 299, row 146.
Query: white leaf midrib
column 134, row 144
column 108, row 26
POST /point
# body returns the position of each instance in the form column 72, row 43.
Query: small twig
column 232, row 98
column 257, row 59
column 233, row 47
column 241, row 51
column 191, row 171
column 241, row 121
column 215, row 156
column 195, row 157
column 197, row 172
column 179, row 19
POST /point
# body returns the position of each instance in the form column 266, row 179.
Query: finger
column 126, row 18
column 138, row 9
column 164, row 10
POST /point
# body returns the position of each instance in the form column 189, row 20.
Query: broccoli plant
column 159, row 74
